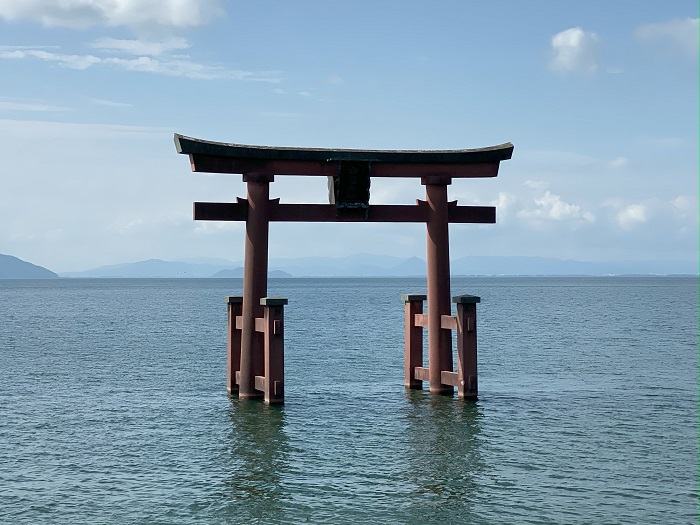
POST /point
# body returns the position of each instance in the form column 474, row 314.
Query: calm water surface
column 113, row 406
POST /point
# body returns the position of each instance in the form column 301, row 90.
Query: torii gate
column 255, row 321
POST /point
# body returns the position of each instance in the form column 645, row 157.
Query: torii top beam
column 219, row 157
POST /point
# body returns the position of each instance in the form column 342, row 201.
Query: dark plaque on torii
column 255, row 332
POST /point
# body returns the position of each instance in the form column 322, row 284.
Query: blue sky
column 599, row 98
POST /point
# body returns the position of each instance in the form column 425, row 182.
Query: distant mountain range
column 367, row 265
column 14, row 268
column 358, row 265
column 238, row 274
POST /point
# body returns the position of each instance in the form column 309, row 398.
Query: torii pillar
column 255, row 282
column 438, row 270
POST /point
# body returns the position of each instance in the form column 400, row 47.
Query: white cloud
column 683, row 202
column 139, row 47
column 678, row 35
column 213, row 228
column 632, row 215
column 130, row 13
column 335, row 79
column 304, row 93
column 171, row 66
column 31, row 130
column 686, row 207
column 503, row 203
column 32, row 106
column 550, row 207
column 70, row 61
column 619, row 162
column 575, row 51
column 110, row 103
column 668, row 143
column 13, row 48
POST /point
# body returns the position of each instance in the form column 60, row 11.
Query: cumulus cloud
column 551, row 207
column 686, row 206
column 139, row 47
column 175, row 66
column 632, row 215
column 130, row 13
column 504, row 204
column 676, row 35
column 575, row 51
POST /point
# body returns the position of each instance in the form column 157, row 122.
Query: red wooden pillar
column 413, row 337
column 468, row 383
column 273, row 321
column 233, row 342
column 254, row 281
column 438, row 255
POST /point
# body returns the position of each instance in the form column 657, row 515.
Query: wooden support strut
column 413, row 350
column 238, row 211
column 466, row 377
column 233, row 342
column 468, row 383
column 270, row 383
column 273, row 386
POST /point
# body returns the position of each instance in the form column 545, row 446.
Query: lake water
column 113, row 406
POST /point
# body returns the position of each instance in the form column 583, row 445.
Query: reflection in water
column 444, row 455
column 259, row 457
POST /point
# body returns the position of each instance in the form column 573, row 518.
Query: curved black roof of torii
column 192, row 146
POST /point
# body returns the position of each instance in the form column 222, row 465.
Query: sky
column 599, row 98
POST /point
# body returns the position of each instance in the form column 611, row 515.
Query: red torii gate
column 255, row 325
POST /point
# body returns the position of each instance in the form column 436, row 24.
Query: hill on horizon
column 368, row 265
column 238, row 274
column 12, row 267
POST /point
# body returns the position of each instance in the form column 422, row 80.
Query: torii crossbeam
column 251, row 371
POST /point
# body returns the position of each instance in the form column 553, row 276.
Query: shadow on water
column 259, row 457
column 444, row 454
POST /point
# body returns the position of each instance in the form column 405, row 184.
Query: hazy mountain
column 411, row 266
column 238, row 273
column 149, row 268
column 357, row 265
column 210, row 260
column 156, row 268
column 14, row 268
column 367, row 265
